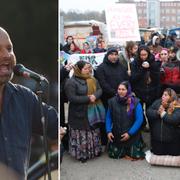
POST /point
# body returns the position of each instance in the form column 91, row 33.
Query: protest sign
column 122, row 22
column 94, row 59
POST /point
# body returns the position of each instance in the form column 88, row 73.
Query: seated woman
column 123, row 122
column 83, row 92
column 164, row 121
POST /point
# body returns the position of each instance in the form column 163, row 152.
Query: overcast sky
column 84, row 5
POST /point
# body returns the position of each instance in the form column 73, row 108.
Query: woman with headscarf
column 123, row 121
column 164, row 121
column 85, row 111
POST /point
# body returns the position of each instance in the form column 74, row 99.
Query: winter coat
column 76, row 90
column 166, row 129
column 147, row 92
column 110, row 75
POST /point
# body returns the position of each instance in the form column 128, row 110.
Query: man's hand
column 110, row 136
column 125, row 137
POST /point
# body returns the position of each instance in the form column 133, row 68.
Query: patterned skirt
column 134, row 151
column 84, row 144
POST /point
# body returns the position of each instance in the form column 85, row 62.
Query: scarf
column 128, row 100
column 96, row 111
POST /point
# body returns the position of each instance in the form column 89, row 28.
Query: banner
column 64, row 57
column 122, row 22
column 94, row 59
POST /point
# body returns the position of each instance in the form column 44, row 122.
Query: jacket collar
column 10, row 88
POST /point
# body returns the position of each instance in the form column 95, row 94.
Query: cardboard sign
column 122, row 23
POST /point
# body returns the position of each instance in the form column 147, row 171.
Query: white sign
column 122, row 23
column 94, row 59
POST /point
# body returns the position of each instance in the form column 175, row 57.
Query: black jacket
column 146, row 92
column 76, row 91
column 110, row 75
column 166, row 129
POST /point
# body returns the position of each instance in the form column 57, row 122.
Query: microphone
column 20, row 70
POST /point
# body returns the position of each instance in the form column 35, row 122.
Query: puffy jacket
column 146, row 92
column 76, row 91
column 110, row 75
column 166, row 129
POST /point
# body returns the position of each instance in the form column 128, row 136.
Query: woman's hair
column 145, row 48
column 125, row 83
column 172, row 94
column 81, row 64
column 173, row 101
column 129, row 47
column 76, row 48
column 128, row 87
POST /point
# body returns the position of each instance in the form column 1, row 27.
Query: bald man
column 19, row 114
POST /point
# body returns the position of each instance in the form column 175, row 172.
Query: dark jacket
column 76, row 91
column 121, row 122
column 20, row 117
column 110, row 75
column 139, row 75
column 166, row 129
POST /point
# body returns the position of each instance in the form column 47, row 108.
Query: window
column 173, row 18
column 139, row 11
column 173, row 11
column 178, row 19
column 167, row 11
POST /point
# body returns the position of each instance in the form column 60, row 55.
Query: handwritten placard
column 122, row 23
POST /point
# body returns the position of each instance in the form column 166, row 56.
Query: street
column 104, row 168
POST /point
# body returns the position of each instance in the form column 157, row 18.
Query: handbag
column 96, row 113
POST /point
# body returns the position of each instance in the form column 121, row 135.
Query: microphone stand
column 39, row 93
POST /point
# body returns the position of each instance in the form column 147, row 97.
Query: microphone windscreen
column 18, row 69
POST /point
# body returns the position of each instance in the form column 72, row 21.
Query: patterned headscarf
column 128, row 98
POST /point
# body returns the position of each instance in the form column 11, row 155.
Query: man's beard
column 6, row 78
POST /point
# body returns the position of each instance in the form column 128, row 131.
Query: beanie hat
column 111, row 50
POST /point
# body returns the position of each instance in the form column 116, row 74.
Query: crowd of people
column 130, row 91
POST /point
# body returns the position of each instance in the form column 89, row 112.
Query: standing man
column 110, row 74
column 19, row 115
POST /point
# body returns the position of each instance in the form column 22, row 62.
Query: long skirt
column 134, row 151
column 84, row 144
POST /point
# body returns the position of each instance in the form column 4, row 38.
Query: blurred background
column 32, row 26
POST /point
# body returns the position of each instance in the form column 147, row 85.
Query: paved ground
column 104, row 168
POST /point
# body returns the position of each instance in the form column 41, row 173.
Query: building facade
column 154, row 13
column 157, row 13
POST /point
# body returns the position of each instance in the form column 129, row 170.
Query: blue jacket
column 20, row 117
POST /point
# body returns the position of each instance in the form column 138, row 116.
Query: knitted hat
column 111, row 50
